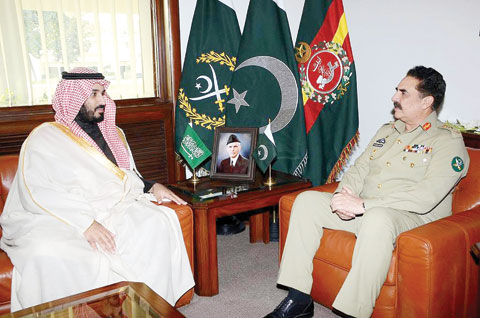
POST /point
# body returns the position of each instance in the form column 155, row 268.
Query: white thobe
column 62, row 185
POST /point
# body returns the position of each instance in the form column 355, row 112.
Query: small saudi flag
column 192, row 148
column 266, row 150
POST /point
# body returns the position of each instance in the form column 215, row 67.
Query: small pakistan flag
column 266, row 150
column 192, row 148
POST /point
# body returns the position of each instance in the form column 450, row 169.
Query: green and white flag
column 266, row 150
column 265, row 84
column 209, row 63
column 192, row 148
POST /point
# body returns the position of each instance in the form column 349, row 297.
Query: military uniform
column 406, row 180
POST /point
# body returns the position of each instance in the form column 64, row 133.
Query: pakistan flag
column 207, row 71
column 265, row 84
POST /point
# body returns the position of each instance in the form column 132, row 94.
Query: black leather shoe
column 289, row 308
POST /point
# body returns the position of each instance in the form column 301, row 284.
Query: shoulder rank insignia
column 452, row 129
column 417, row 149
column 457, row 164
column 427, row 126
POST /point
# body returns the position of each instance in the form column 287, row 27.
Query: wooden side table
column 232, row 199
column 471, row 140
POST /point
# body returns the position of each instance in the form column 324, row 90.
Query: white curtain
column 41, row 38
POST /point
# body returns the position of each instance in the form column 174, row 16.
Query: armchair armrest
column 435, row 270
column 185, row 217
column 285, row 207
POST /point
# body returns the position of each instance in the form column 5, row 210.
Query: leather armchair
column 8, row 169
column 432, row 273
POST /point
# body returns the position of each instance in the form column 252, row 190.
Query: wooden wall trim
column 176, row 48
column 17, row 122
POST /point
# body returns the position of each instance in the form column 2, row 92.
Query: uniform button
column 371, row 157
column 374, row 150
column 412, row 165
column 388, row 163
column 399, row 141
column 404, row 157
column 379, row 185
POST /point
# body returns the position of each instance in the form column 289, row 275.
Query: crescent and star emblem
column 208, row 91
column 265, row 152
column 288, row 87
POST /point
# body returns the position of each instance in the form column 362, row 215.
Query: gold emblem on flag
column 302, row 52
column 213, row 90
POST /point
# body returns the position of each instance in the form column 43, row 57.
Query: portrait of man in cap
column 235, row 163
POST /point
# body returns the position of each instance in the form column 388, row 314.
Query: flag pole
column 270, row 181
column 194, row 179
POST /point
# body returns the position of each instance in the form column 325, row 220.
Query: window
column 41, row 38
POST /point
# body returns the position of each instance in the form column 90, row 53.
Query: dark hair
column 431, row 83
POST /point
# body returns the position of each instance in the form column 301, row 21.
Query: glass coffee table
column 120, row 300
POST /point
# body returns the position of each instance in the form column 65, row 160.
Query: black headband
column 78, row 76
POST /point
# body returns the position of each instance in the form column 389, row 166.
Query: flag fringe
column 342, row 160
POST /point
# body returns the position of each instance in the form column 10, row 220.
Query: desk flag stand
column 270, row 181
column 193, row 150
column 194, row 179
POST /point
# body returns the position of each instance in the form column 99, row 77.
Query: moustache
column 100, row 106
column 397, row 105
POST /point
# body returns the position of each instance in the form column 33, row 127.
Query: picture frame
column 237, row 143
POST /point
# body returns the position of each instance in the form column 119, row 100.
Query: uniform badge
column 427, row 126
column 457, row 164
column 379, row 142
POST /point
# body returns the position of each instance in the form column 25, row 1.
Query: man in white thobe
column 79, row 216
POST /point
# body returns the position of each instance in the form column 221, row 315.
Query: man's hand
column 346, row 204
column 98, row 235
column 162, row 192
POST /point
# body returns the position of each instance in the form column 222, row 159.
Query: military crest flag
column 210, row 60
column 265, row 85
column 329, row 88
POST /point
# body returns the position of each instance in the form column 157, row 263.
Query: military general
column 404, row 179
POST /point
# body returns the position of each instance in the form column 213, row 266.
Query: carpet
column 247, row 282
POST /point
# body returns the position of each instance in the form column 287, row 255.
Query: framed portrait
column 232, row 154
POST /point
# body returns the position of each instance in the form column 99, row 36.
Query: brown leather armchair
column 431, row 274
column 8, row 168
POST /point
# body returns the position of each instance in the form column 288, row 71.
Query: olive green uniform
column 406, row 180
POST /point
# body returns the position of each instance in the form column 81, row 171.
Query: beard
column 88, row 116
